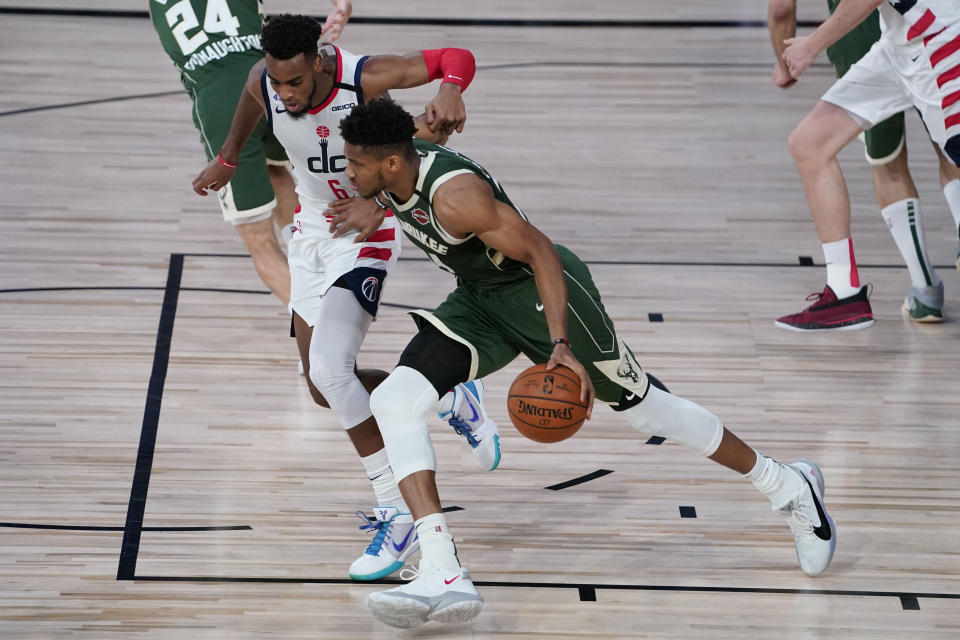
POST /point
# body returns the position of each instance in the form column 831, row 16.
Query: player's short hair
column 287, row 35
column 381, row 127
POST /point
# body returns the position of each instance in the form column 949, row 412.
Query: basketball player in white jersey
column 915, row 63
column 336, row 284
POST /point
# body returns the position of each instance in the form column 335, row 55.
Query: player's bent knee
column 675, row 418
column 339, row 386
column 318, row 397
column 401, row 404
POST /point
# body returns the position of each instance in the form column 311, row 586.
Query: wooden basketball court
column 164, row 474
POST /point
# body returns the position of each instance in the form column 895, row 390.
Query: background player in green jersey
column 213, row 44
column 516, row 293
column 894, row 187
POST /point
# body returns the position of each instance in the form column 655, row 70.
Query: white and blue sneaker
column 434, row 594
column 469, row 419
column 393, row 542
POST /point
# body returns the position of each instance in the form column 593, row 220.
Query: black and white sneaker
column 814, row 532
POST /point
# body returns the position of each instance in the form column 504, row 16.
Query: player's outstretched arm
column 464, row 205
column 782, row 24
column 801, row 52
column 249, row 110
column 456, row 67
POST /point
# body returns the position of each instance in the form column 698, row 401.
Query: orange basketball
column 545, row 405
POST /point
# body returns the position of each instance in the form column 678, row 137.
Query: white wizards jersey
column 905, row 21
column 313, row 141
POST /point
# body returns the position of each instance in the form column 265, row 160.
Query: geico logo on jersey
column 419, row 236
column 341, row 107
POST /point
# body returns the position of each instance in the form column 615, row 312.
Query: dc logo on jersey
column 420, row 216
column 323, row 132
column 370, row 288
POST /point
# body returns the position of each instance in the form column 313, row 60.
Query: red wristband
column 453, row 65
column 224, row 162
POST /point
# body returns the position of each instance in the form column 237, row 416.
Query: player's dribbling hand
column 354, row 214
column 336, row 19
column 563, row 355
column 214, row 177
column 446, row 112
column 799, row 55
column 782, row 78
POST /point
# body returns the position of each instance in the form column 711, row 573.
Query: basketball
column 545, row 405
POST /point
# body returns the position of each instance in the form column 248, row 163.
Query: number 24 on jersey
column 182, row 19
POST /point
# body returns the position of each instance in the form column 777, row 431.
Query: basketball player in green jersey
column 516, row 293
column 894, row 187
column 213, row 44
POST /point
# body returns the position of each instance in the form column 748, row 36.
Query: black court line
column 909, row 596
column 493, row 67
column 74, row 527
column 450, row 22
column 36, row 289
column 599, row 473
column 644, row 263
column 136, row 507
column 82, row 103
column 396, row 305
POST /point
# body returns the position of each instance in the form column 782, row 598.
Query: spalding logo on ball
column 545, row 405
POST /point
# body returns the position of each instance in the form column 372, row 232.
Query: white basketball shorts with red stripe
column 317, row 260
column 890, row 78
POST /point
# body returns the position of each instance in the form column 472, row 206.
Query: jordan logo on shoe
column 403, row 543
column 451, row 580
column 822, row 530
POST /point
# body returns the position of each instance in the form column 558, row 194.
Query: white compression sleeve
column 401, row 405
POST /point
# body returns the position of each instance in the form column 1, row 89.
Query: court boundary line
column 583, row 586
column 136, row 506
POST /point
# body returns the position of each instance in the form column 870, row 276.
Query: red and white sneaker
column 830, row 313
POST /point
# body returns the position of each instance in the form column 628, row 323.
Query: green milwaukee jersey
column 473, row 262
column 197, row 34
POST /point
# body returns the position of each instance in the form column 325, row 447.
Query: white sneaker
column 470, row 419
column 433, row 594
column 813, row 530
column 393, row 542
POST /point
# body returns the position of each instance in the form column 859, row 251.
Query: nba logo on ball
column 548, row 384
column 370, row 287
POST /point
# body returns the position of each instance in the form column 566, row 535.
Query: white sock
column 842, row 275
column 903, row 219
column 775, row 481
column 436, row 542
column 384, row 484
column 952, row 193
